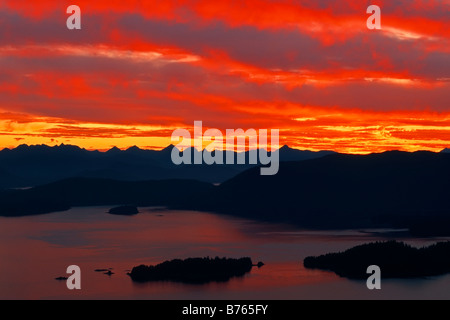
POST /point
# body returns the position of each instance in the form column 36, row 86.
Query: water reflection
column 35, row 250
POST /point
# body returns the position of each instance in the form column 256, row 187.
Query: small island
column 124, row 210
column 193, row 270
column 105, row 271
column 395, row 259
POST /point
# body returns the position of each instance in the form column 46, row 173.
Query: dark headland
column 124, row 210
column 395, row 259
column 193, row 270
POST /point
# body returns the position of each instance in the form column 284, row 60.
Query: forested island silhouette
column 395, row 259
column 193, row 270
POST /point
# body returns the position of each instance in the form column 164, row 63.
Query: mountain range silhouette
column 390, row 189
column 28, row 166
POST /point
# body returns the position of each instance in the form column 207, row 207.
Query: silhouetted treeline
column 193, row 270
column 395, row 259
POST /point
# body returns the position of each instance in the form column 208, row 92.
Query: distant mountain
column 289, row 154
column 27, row 166
column 9, row 180
column 446, row 150
column 339, row 191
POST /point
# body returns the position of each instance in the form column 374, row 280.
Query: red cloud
column 231, row 64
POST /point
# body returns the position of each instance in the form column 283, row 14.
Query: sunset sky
column 137, row 70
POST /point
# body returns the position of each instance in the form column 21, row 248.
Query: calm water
column 35, row 250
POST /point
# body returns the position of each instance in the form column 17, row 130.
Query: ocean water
column 35, row 250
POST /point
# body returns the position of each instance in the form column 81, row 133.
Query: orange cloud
column 341, row 87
